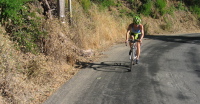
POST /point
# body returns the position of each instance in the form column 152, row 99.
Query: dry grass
column 97, row 29
column 27, row 78
column 179, row 22
column 30, row 79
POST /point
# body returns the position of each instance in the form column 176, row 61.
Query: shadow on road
column 106, row 66
column 197, row 72
column 193, row 38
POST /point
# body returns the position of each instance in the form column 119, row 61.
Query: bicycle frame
column 133, row 53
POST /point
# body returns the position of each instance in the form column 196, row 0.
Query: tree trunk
column 61, row 11
column 70, row 11
column 47, row 8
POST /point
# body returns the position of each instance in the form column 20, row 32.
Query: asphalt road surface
column 168, row 73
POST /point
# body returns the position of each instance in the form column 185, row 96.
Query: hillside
column 39, row 54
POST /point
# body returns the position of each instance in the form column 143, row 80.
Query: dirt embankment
column 178, row 23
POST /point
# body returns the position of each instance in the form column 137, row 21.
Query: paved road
column 168, row 73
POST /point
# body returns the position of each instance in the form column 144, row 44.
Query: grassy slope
column 28, row 78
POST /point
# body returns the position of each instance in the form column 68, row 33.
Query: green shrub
column 160, row 5
column 194, row 6
column 170, row 10
column 10, row 9
column 146, row 8
column 119, row 4
column 195, row 9
column 105, row 3
column 180, row 6
column 131, row 1
column 86, row 4
column 131, row 14
column 22, row 25
column 168, row 24
column 122, row 11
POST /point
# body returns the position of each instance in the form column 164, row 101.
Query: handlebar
column 132, row 41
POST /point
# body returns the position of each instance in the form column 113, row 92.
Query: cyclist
column 135, row 31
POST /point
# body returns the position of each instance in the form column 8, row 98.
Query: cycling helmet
column 136, row 20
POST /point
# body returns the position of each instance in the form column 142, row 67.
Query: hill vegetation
column 38, row 53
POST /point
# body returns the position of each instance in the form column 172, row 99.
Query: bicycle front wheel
column 132, row 58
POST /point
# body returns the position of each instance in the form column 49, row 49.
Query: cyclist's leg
column 131, row 37
column 138, row 47
column 130, row 44
column 138, row 50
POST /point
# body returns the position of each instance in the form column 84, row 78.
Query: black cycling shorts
column 136, row 37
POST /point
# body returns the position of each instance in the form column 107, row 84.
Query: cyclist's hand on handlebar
column 140, row 40
column 126, row 41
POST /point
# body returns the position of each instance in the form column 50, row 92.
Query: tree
column 61, row 9
column 47, row 8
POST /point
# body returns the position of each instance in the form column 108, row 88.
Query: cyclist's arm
column 142, row 32
column 128, row 32
column 127, row 35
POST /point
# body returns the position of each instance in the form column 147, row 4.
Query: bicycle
column 133, row 54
